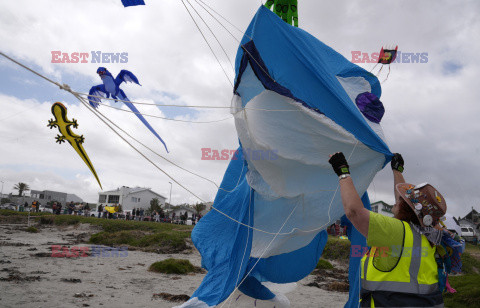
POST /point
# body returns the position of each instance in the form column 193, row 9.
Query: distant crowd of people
column 70, row 208
column 108, row 212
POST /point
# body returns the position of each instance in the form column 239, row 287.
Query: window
column 113, row 199
column 134, row 199
column 464, row 229
column 102, row 198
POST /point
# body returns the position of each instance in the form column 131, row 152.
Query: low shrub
column 47, row 220
column 336, row 249
column 166, row 241
column 324, row 264
column 173, row 266
column 31, row 229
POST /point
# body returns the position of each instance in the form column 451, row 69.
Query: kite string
column 273, row 239
column 159, row 117
column 211, row 49
column 82, row 100
column 338, row 185
column 261, row 256
column 246, row 242
column 208, row 27
column 182, row 106
column 202, row 5
column 97, row 113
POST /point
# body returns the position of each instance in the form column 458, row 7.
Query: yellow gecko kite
column 59, row 111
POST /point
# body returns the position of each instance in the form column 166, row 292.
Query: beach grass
column 173, row 266
column 144, row 235
column 468, row 291
column 324, row 264
column 31, row 229
column 336, row 249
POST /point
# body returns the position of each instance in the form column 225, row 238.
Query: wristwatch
column 344, row 176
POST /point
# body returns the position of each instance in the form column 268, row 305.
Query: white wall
column 182, row 211
column 145, row 197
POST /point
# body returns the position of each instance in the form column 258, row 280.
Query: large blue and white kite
column 111, row 87
column 298, row 98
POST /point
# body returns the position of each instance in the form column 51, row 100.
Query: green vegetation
column 22, row 214
column 336, row 249
column 467, row 284
column 14, row 217
column 324, row 264
column 470, row 264
column 162, row 242
column 173, row 266
column 31, row 229
column 21, row 187
column 148, row 236
column 199, row 208
column 468, row 291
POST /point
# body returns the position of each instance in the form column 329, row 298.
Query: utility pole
column 170, row 199
column 1, row 195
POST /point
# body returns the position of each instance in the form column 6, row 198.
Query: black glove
column 397, row 162
column 339, row 164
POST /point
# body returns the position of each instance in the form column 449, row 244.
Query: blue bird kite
column 111, row 87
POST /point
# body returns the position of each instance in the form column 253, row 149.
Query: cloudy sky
column 431, row 115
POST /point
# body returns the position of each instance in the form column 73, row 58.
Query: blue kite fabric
column 295, row 97
column 111, row 87
column 127, row 3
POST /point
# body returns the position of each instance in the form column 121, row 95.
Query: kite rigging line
column 104, row 119
column 185, row 106
column 98, row 114
column 214, row 54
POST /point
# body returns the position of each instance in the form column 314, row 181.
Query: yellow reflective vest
column 412, row 282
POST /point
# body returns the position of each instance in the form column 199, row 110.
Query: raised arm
column 397, row 167
column 352, row 204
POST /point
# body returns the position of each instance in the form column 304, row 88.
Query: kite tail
column 137, row 113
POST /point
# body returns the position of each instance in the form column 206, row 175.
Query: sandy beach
column 31, row 277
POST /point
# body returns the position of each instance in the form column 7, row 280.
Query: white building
column 180, row 210
column 382, row 208
column 130, row 198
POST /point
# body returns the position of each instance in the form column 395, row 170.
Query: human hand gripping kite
column 111, row 87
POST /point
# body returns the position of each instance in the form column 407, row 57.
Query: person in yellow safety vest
column 400, row 269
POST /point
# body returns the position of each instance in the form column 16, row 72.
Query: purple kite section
column 371, row 107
